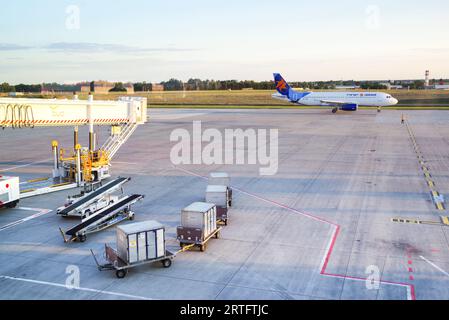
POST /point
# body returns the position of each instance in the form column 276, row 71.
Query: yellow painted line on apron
column 27, row 191
column 38, row 180
column 445, row 220
column 437, row 199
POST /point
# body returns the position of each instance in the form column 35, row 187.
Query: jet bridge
column 30, row 113
column 78, row 165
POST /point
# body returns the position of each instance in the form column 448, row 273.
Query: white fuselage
column 368, row 99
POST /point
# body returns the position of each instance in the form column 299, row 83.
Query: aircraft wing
column 280, row 97
column 334, row 102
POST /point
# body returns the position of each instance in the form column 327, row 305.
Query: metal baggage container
column 141, row 241
column 219, row 179
column 200, row 215
column 217, row 195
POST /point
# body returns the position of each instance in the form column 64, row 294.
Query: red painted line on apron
column 333, row 241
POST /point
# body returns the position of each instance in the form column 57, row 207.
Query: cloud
column 89, row 47
column 431, row 50
column 13, row 47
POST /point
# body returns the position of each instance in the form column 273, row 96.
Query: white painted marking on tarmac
column 174, row 116
column 24, row 165
column 117, row 294
column 40, row 212
column 329, row 247
column 435, row 266
column 122, row 162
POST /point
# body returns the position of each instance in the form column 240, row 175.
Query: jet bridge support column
column 56, row 173
column 78, row 164
column 75, row 137
column 91, row 124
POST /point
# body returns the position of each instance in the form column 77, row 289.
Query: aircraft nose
column 395, row 101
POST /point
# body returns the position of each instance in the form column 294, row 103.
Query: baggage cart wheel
column 166, row 263
column 131, row 217
column 202, row 247
column 82, row 238
column 217, row 236
column 121, row 274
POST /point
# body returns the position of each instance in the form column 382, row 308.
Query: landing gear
column 334, row 110
column 379, row 110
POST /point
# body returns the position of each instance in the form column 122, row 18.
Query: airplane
column 345, row 101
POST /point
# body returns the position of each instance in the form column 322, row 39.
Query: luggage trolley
column 122, row 268
column 192, row 237
column 198, row 225
column 138, row 244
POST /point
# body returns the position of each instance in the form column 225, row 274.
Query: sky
column 151, row 40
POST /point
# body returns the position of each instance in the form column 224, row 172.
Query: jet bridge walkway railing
column 114, row 143
column 95, row 195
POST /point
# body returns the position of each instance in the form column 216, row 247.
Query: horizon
column 154, row 41
column 185, row 81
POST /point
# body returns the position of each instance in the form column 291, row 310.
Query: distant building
column 129, row 88
column 354, row 87
column 46, row 92
column 157, row 87
column 97, row 87
column 85, row 87
column 16, row 94
column 102, row 86
column 391, row 86
column 441, row 87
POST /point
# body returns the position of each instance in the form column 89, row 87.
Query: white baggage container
column 219, row 179
column 217, row 195
column 200, row 215
column 9, row 191
column 139, row 242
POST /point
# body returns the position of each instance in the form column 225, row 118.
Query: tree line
column 198, row 84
